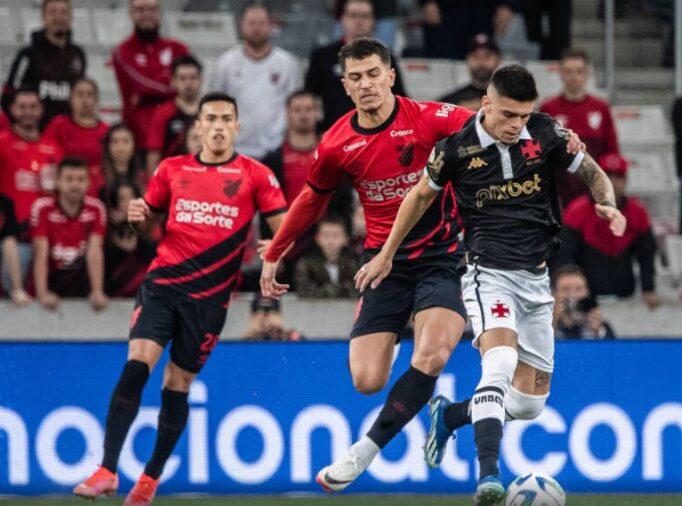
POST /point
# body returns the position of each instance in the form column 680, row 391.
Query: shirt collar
column 486, row 139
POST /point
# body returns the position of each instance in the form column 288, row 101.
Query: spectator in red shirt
column 166, row 135
column 121, row 162
column 9, row 251
column 81, row 133
column 607, row 260
column 28, row 163
column 68, row 236
column 128, row 254
column 585, row 114
column 4, row 122
column 143, row 68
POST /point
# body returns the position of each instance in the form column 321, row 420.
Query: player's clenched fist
column 138, row 211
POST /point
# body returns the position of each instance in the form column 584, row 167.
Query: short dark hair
column 45, row 3
column 575, row 53
column 25, row 89
column 255, row 4
column 333, row 219
column 71, row 162
column 186, row 60
column 566, row 270
column 88, row 80
column 515, row 82
column 362, row 48
column 297, row 94
column 218, row 96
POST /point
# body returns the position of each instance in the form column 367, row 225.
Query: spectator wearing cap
column 260, row 77
column 143, row 67
column 588, row 116
column 608, row 260
column 328, row 270
column 449, row 25
column 50, row 64
column 483, row 57
column 267, row 323
column 324, row 72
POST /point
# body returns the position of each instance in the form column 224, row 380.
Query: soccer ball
column 535, row 489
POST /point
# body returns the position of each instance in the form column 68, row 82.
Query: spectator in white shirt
column 260, row 77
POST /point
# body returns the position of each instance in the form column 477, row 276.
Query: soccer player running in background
column 500, row 165
column 210, row 199
column 382, row 146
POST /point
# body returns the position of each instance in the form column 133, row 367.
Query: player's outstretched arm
column 602, row 191
column 304, row 211
column 411, row 210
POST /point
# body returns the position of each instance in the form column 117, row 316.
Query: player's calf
column 487, row 405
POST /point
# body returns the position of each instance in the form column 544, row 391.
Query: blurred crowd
column 66, row 176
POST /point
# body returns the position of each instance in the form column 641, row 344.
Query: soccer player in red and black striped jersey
column 210, row 199
column 383, row 146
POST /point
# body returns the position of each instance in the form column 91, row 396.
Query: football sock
column 123, row 407
column 487, row 405
column 457, row 415
column 365, row 450
column 172, row 421
column 407, row 397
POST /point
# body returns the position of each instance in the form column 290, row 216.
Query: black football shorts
column 412, row 286
column 193, row 326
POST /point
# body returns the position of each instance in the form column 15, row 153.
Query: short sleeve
column 158, row 191
column 157, row 129
column 100, row 224
column 436, row 167
column 443, row 119
column 558, row 140
column 325, row 174
column 38, row 223
column 8, row 220
column 269, row 196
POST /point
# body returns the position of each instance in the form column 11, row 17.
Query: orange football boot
column 143, row 492
column 101, row 482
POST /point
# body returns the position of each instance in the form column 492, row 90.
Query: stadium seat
column 549, row 82
column 429, row 79
column 649, row 171
column 202, row 30
column 111, row 26
column 644, row 126
column 8, row 32
column 82, row 25
column 674, row 253
column 100, row 69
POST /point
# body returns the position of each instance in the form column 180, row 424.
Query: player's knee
column 522, row 406
column 368, row 383
column 432, row 361
column 177, row 379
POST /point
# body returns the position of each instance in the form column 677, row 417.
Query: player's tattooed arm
column 597, row 181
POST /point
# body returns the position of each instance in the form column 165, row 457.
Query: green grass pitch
column 348, row 500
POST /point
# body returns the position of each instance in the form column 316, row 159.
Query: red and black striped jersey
column 210, row 208
column 384, row 163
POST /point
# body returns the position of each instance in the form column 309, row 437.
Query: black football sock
column 457, row 415
column 488, row 435
column 123, row 407
column 407, row 397
column 172, row 421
